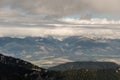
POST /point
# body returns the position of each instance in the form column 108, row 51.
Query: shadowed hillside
column 16, row 69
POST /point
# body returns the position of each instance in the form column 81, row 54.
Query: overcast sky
column 33, row 17
column 59, row 7
column 94, row 19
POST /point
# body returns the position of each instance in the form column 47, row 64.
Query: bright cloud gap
column 95, row 32
column 89, row 21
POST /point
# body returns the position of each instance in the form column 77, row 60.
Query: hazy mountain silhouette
column 85, row 65
column 75, row 48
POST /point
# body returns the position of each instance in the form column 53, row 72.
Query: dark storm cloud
column 63, row 7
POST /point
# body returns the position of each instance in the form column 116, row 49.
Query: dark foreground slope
column 16, row 69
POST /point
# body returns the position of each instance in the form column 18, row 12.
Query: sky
column 59, row 18
column 59, row 8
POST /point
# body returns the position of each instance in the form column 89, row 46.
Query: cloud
column 63, row 7
column 4, row 12
column 116, row 60
column 28, row 56
column 64, row 30
column 90, row 21
column 51, row 62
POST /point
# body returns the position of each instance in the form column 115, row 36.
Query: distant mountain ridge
column 74, row 48
column 85, row 65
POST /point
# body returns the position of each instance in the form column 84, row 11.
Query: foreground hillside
column 16, row 69
column 88, row 71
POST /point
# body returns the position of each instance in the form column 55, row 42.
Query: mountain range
column 50, row 51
